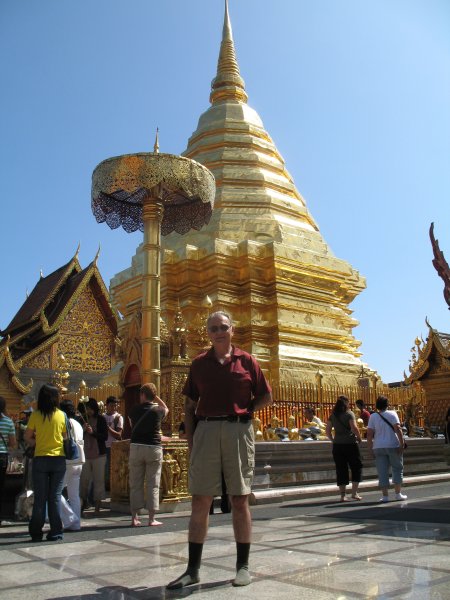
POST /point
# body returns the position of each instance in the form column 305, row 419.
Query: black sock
column 195, row 557
column 243, row 552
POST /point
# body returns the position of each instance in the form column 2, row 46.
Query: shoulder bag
column 347, row 426
column 71, row 449
column 405, row 445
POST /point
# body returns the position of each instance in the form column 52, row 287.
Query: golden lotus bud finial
column 156, row 145
column 228, row 83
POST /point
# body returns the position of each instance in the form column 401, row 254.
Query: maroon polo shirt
column 225, row 389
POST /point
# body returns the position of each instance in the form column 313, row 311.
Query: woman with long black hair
column 95, row 435
column 46, row 430
column 345, row 447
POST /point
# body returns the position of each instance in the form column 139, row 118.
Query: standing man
column 146, row 453
column 365, row 414
column 114, row 420
column 224, row 387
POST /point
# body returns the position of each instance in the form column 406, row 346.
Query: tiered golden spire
column 156, row 145
column 228, row 83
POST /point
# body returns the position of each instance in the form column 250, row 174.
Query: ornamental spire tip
column 156, row 145
column 228, row 83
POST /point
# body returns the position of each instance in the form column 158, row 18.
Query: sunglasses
column 216, row 328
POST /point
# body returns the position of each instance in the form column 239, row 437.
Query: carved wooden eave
column 422, row 364
column 35, row 328
column 14, row 368
column 44, row 292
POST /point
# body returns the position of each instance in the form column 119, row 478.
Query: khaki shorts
column 222, row 447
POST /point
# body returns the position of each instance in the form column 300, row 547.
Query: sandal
column 357, row 497
column 344, row 499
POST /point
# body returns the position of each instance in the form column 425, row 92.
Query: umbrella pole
column 152, row 213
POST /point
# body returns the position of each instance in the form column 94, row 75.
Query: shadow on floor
column 118, row 592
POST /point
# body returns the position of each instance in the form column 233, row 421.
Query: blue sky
column 355, row 94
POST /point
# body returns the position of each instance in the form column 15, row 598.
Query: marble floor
column 307, row 556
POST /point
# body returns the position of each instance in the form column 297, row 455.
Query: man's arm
column 370, row 433
column 30, row 437
column 117, row 433
column 261, row 402
column 163, row 405
column 399, row 434
column 189, row 420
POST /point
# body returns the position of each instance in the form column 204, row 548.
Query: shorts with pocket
column 222, row 447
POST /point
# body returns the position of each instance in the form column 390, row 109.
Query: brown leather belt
column 229, row 418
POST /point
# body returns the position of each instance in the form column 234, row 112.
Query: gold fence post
column 319, row 384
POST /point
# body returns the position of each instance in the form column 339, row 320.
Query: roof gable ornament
column 228, row 83
column 441, row 265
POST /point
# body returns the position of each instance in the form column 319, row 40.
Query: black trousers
column 347, row 456
column 3, row 467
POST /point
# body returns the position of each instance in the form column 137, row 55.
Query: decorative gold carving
column 169, row 476
column 85, row 339
column 173, row 377
column 178, row 340
column 293, row 429
column 135, row 176
column 257, row 428
column 61, row 375
column 173, row 475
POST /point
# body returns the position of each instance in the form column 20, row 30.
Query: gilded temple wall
column 85, row 339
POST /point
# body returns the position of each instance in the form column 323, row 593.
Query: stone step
column 289, row 464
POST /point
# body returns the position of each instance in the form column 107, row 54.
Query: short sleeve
column 12, row 429
column 190, row 389
column 32, row 422
column 260, row 386
column 395, row 417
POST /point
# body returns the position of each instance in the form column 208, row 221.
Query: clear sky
column 355, row 94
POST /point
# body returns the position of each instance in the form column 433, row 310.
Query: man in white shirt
column 385, row 441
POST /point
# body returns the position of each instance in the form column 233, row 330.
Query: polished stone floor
column 311, row 549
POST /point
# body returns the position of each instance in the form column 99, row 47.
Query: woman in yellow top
column 46, row 430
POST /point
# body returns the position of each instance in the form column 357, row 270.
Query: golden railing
column 292, row 399
column 100, row 394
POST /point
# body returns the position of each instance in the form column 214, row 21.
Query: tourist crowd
column 69, row 449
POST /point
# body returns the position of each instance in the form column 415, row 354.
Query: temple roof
column 437, row 343
column 42, row 294
column 36, row 324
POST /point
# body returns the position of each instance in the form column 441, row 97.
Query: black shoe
column 184, row 580
column 36, row 538
column 54, row 538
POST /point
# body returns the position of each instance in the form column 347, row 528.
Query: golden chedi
column 262, row 256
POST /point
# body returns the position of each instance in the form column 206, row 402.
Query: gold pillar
column 152, row 213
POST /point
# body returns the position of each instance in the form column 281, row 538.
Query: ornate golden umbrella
column 158, row 194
